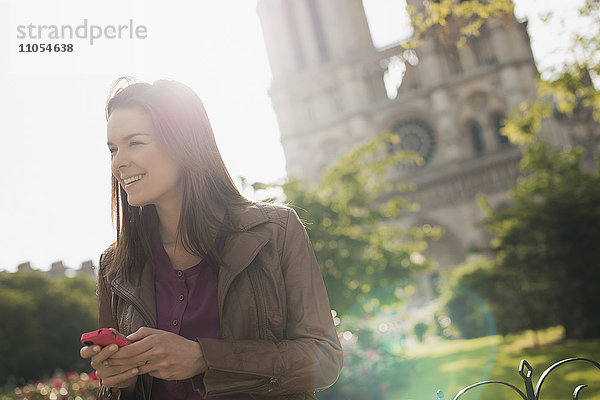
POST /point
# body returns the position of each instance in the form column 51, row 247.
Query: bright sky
column 54, row 168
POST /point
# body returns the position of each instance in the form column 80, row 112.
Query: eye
column 134, row 142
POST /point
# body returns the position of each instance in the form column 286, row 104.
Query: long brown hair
column 185, row 133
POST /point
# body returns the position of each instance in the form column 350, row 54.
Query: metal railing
column 526, row 372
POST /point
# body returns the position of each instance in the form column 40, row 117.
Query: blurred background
column 442, row 153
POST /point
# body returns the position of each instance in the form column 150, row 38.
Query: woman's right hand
column 123, row 376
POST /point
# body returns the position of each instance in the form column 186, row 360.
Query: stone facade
column 328, row 93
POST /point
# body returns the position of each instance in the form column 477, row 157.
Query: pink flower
column 371, row 354
column 69, row 375
column 57, row 383
column 384, row 387
column 364, row 370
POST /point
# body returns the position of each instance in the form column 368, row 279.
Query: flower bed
column 67, row 386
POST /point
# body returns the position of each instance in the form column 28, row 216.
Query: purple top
column 176, row 313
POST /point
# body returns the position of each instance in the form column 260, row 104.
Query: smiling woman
column 220, row 296
column 138, row 160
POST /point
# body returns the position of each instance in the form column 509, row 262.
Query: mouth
column 132, row 180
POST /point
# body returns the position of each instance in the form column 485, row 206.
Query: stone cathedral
column 328, row 93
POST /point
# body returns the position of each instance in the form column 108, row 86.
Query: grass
column 453, row 365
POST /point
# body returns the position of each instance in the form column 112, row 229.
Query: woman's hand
column 159, row 353
column 119, row 376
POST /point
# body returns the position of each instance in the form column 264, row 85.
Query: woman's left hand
column 164, row 355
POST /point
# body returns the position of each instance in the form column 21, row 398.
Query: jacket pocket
column 264, row 380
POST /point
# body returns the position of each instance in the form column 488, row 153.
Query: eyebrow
column 129, row 137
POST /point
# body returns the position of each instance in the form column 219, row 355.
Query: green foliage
column 42, row 321
column 482, row 298
column 463, row 302
column 453, row 22
column 545, row 243
column 545, row 253
column 350, row 220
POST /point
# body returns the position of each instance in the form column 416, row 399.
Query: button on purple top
column 198, row 317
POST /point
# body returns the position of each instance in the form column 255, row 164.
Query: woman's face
column 140, row 165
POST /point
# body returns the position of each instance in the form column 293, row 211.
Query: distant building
column 58, row 269
column 87, row 269
column 24, row 267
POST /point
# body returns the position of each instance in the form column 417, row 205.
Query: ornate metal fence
column 526, row 372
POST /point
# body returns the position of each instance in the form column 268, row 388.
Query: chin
column 133, row 202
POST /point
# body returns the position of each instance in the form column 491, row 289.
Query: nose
column 119, row 160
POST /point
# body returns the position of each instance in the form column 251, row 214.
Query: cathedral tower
column 328, row 93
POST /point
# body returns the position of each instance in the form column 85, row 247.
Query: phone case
column 103, row 337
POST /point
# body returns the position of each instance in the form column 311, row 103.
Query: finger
column 89, row 351
column 105, row 353
column 105, row 371
column 119, row 379
column 142, row 333
column 133, row 351
column 147, row 368
column 124, row 362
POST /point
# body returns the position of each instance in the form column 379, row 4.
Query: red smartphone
column 103, row 337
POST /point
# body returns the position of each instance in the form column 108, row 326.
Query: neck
column 168, row 216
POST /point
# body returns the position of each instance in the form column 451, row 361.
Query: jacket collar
column 240, row 249
column 247, row 216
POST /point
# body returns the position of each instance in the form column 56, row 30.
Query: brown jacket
column 278, row 340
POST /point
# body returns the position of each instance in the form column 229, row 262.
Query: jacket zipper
column 265, row 382
column 140, row 309
column 258, row 306
column 221, row 297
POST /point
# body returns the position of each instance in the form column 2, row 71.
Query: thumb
column 141, row 333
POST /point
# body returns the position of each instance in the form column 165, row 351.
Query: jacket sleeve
column 309, row 359
column 105, row 314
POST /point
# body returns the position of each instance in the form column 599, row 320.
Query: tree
column 43, row 319
column 452, row 21
column 351, row 218
column 544, row 257
column 546, row 239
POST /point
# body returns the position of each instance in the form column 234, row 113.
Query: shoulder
column 253, row 214
column 107, row 257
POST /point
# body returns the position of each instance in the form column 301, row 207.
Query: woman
column 221, row 297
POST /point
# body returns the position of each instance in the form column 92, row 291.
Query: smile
column 132, row 179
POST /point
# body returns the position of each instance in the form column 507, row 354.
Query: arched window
column 482, row 48
column 476, row 137
column 498, row 124
column 453, row 59
column 318, row 29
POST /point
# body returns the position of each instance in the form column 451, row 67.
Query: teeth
column 132, row 179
